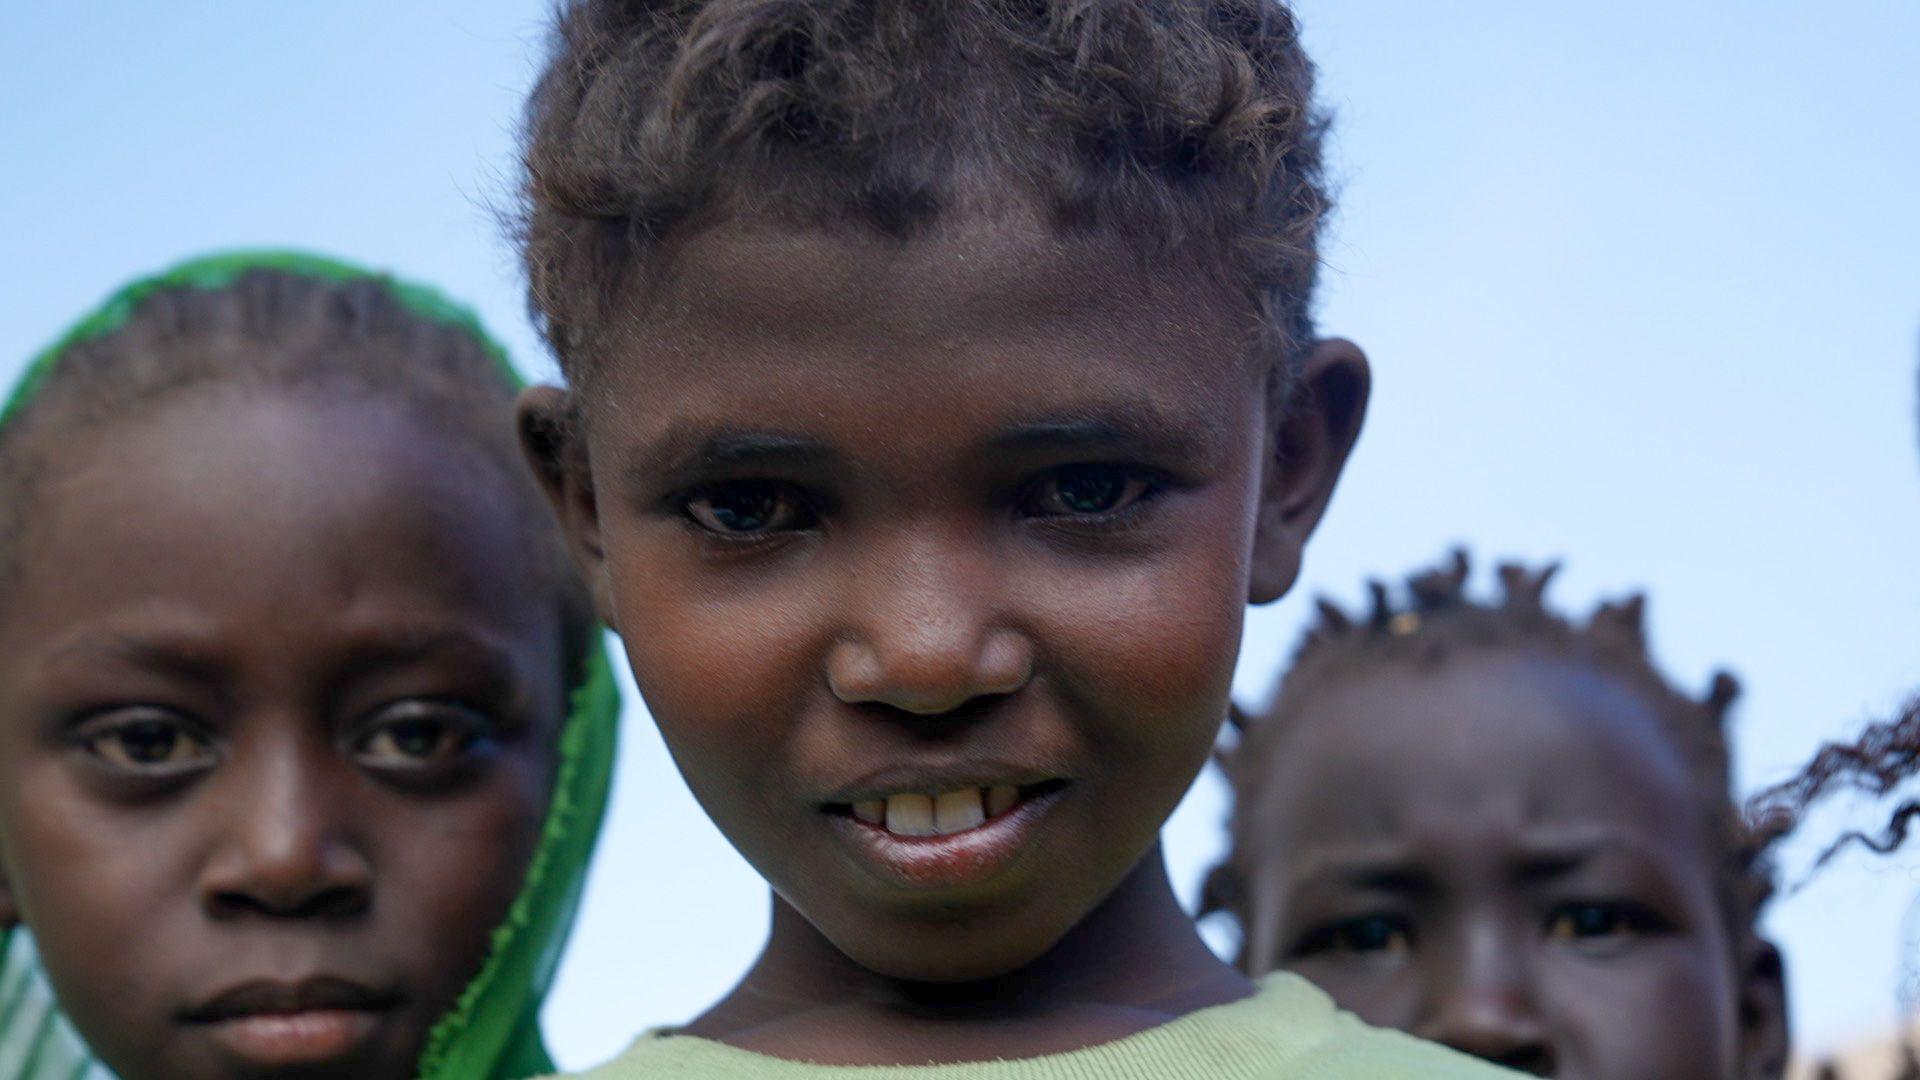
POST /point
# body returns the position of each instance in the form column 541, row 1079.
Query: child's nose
column 285, row 853
column 1486, row 1004
column 934, row 670
column 925, row 635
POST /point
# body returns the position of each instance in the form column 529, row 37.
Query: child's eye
column 147, row 741
column 746, row 509
column 1383, row 935
column 419, row 735
column 1592, row 922
column 1088, row 491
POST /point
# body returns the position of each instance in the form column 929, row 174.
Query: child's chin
column 951, row 950
column 951, row 962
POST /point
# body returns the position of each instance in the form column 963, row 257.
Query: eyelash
column 802, row 505
column 1629, row 917
column 95, row 734
column 1338, row 936
column 1623, row 917
column 1139, row 487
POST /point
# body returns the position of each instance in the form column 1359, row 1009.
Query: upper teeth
column 937, row 815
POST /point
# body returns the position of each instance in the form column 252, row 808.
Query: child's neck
column 1134, row 962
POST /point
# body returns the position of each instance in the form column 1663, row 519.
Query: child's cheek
column 1162, row 631
column 717, row 659
column 1668, row 1011
column 1150, row 651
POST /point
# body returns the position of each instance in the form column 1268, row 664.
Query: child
column 943, row 390
column 1502, row 831
column 291, row 672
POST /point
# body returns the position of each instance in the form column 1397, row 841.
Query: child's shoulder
column 1292, row 1029
column 1287, row 1029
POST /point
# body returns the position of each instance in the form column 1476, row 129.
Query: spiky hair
column 1438, row 619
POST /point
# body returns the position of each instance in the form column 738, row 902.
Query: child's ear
column 1763, row 1011
column 553, row 443
column 1308, row 444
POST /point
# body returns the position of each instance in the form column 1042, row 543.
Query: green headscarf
column 493, row 1032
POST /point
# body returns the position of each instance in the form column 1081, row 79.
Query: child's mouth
column 286, row 1025
column 957, row 837
column 911, row 815
column 286, row 1040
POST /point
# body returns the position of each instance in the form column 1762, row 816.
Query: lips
column 277, row 1024
column 958, row 835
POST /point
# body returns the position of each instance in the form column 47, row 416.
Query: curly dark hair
column 1182, row 125
column 1875, row 763
column 1438, row 621
column 326, row 328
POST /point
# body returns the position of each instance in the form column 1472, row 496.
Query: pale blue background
column 1641, row 281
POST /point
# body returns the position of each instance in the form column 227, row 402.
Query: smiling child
column 1502, row 831
column 292, row 671
column 943, row 390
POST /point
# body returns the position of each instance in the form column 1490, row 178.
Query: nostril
column 341, row 901
column 1535, row 1060
column 928, row 669
column 338, row 902
column 969, row 711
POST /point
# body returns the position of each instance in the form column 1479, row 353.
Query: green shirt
column 1288, row 1029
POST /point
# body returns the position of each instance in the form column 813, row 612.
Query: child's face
column 1507, row 854
column 277, row 702
column 950, row 536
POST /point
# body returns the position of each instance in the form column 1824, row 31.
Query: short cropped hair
column 1184, row 125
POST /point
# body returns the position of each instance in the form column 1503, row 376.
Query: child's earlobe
column 1309, row 442
column 1763, row 1011
column 551, row 440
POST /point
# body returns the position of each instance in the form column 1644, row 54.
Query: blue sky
column 1641, row 282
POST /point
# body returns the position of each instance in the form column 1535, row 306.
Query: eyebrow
column 1124, row 427
column 684, row 453
column 484, row 667
column 1386, row 868
column 681, row 453
column 399, row 648
column 181, row 658
column 1543, row 860
column 1394, row 868
column 175, row 658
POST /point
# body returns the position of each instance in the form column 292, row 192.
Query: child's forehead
column 283, row 534
column 1533, row 701
column 988, row 321
column 1552, row 739
column 289, row 479
column 990, row 269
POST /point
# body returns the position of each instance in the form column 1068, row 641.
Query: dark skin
column 979, row 509
column 1507, row 854
column 278, row 698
